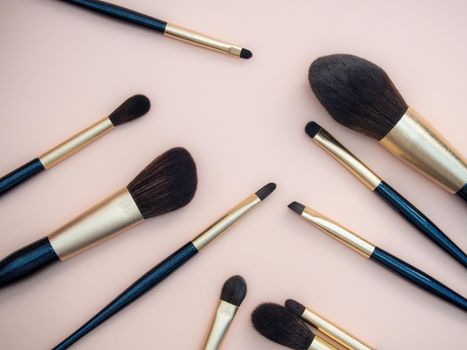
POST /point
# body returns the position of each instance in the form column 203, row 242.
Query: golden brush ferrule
column 101, row 222
column 327, row 142
column 320, row 344
column 75, row 143
column 191, row 37
column 333, row 331
column 225, row 222
column 219, row 326
column 338, row 232
column 415, row 141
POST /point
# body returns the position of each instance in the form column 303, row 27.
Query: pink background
column 62, row 68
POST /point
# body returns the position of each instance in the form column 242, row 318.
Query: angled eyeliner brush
column 167, row 29
column 165, row 268
column 132, row 108
column 370, row 251
column 338, row 151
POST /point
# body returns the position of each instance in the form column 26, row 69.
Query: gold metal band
column 225, row 222
column 224, row 316
column 327, row 142
column 320, row 344
column 334, row 332
column 340, row 233
column 75, row 143
column 101, row 222
column 415, row 141
column 189, row 36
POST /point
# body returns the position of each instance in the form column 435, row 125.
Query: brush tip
column 312, row 128
column 234, row 290
column 297, row 207
column 265, row 191
column 134, row 107
column 294, row 307
column 246, row 54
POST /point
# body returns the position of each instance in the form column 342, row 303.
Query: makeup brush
column 325, row 326
column 132, row 108
column 370, row 251
column 279, row 325
column 162, row 270
column 359, row 95
column 166, row 184
column 232, row 295
column 167, row 29
column 371, row 180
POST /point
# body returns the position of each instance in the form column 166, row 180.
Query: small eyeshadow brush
column 371, row 180
column 167, row 29
column 359, row 95
column 232, row 295
column 132, row 108
column 327, row 327
column 370, row 251
column 162, row 270
column 166, row 184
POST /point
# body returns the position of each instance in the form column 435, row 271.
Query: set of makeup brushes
column 357, row 94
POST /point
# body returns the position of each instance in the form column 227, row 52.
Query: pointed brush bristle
column 295, row 307
column 134, row 107
column 265, row 191
column 245, row 53
column 166, row 184
column 357, row 93
column 297, row 207
column 234, row 290
column 279, row 325
column 312, row 128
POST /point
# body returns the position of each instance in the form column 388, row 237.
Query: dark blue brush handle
column 20, row 175
column 420, row 221
column 463, row 193
column 149, row 280
column 418, row 277
column 26, row 261
column 121, row 13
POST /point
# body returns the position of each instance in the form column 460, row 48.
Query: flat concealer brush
column 371, row 180
column 131, row 109
column 370, row 251
column 165, row 268
column 167, row 29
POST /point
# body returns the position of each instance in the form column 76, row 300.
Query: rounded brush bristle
column 134, row 107
column 234, row 290
column 294, row 307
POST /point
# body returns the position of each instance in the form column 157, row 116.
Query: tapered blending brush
column 359, row 95
column 161, row 271
column 131, row 109
column 166, row 184
column 279, row 325
column 232, row 295
column 325, row 326
column 167, row 29
column 370, row 251
column 371, row 180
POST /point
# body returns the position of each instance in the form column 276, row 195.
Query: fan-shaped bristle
column 134, row 107
column 279, row 325
column 294, row 307
column 234, row 290
column 357, row 93
column 167, row 184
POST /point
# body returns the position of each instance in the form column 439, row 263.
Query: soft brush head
column 279, row 325
column 134, row 107
column 234, row 290
column 167, row 184
column 295, row 307
column 357, row 93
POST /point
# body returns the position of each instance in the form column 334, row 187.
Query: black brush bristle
column 167, row 184
column 312, row 128
column 294, row 307
column 245, row 53
column 297, row 207
column 357, row 93
column 265, row 191
column 134, row 107
column 279, row 325
column 234, row 290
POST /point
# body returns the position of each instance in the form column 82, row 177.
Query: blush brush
column 166, row 184
column 370, row 251
column 360, row 95
column 395, row 200
column 131, row 109
column 165, row 268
